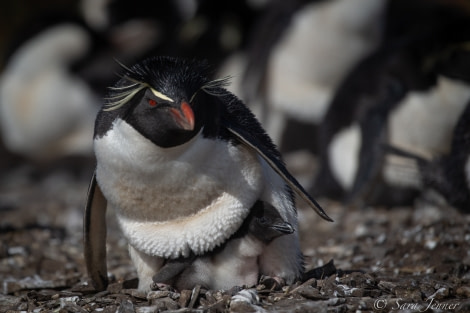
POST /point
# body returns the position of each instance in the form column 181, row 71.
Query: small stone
column 234, row 290
column 11, row 285
column 440, row 294
column 426, row 289
column 115, row 288
column 240, row 306
column 408, row 293
column 463, row 291
column 246, row 295
column 194, row 296
column 185, row 296
column 164, row 304
column 9, row 302
column 66, row 303
column 17, row 250
column 261, row 288
column 386, row 285
column 311, row 282
column 136, row 293
column 463, row 307
column 373, row 293
column 72, row 308
column 126, row 307
column 310, row 292
column 130, row 283
column 157, row 294
column 303, row 306
column 103, row 293
column 41, row 295
column 210, row 297
column 83, row 288
column 357, row 292
column 335, row 301
column 147, row 309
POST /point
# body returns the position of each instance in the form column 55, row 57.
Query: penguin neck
column 134, row 146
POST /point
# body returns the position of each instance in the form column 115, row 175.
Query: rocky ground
column 409, row 259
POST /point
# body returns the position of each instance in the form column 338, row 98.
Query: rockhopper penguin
column 182, row 162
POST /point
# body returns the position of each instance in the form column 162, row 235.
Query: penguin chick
column 182, row 161
column 235, row 262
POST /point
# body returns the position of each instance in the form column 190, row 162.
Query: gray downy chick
column 233, row 264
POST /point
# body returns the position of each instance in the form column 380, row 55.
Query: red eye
column 152, row 102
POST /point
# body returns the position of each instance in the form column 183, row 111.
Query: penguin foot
column 272, row 282
column 161, row 287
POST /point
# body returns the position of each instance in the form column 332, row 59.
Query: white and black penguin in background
column 59, row 61
column 408, row 94
column 182, row 162
column 448, row 173
column 46, row 111
column 299, row 53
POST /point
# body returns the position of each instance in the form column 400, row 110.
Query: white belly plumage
column 173, row 201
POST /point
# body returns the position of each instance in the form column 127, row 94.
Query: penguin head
column 266, row 224
column 161, row 99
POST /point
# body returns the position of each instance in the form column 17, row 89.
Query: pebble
column 247, row 295
column 9, row 302
column 164, row 304
column 157, row 294
column 412, row 293
column 136, row 293
column 147, row 309
column 386, row 285
column 33, row 282
column 242, row 307
column 185, row 296
column 194, row 296
column 126, row 307
column 68, row 300
column 310, row 292
column 440, row 294
column 463, row 291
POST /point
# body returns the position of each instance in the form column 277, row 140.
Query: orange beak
column 184, row 116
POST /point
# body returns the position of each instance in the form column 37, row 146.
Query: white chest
column 176, row 200
column 424, row 122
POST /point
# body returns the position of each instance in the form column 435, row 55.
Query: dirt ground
column 409, row 259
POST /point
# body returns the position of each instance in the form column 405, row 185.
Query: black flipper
column 247, row 139
column 94, row 236
column 321, row 272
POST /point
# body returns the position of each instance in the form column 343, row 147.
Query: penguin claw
column 161, row 287
column 272, row 282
